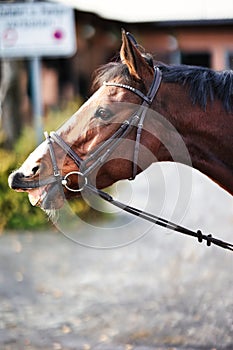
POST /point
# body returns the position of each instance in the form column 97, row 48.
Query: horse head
column 104, row 116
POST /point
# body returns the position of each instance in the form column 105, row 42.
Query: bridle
column 103, row 152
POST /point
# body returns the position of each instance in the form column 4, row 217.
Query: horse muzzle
column 18, row 182
column 41, row 193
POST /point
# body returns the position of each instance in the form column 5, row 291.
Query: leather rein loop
column 100, row 155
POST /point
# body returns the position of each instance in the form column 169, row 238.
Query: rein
column 157, row 220
column 101, row 154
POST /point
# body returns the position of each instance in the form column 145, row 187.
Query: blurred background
column 163, row 292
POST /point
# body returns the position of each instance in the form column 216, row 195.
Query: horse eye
column 103, row 113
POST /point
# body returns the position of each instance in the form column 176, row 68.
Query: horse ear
column 131, row 56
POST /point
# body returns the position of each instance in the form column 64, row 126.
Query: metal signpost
column 34, row 30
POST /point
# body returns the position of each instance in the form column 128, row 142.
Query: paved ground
column 157, row 293
column 164, row 291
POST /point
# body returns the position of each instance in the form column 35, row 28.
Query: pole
column 35, row 78
column 35, row 75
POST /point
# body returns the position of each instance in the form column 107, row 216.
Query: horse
column 141, row 111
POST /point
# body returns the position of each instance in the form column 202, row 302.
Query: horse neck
column 207, row 134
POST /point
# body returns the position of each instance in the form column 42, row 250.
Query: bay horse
column 151, row 112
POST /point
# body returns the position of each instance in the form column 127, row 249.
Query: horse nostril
column 35, row 169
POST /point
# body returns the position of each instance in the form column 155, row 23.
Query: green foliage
column 16, row 211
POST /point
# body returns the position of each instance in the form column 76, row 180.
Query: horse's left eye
column 103, row 113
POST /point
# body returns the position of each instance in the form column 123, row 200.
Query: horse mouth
column 36, row 196
column 47, row 197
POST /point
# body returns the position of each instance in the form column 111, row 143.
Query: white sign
column 36, row 29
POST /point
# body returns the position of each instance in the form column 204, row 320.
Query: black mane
column 204, row 84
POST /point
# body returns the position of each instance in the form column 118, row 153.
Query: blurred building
column 205, row 43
